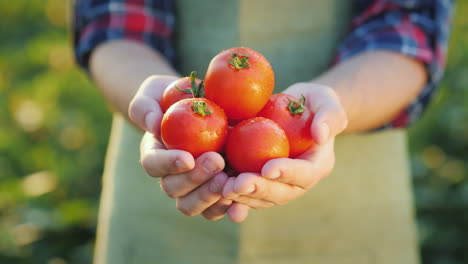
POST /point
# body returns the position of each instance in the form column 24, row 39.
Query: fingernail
column 209, row 166
column 179, row 164
column 324, row 131
column 150, row 118
column 250, row 189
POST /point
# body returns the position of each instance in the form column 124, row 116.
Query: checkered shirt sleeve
column 416, row 28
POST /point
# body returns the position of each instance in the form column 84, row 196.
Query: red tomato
column 294, row 118
column 255, row 141
column 187, row 87
column 196, row 125
column 223, row 149
column 240, row 80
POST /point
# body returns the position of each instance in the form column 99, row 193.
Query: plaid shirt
column 416, row 28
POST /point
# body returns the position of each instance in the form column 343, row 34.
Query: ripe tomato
column 196, row 125
column 187, row 87
column 294, row 118
column 255, row 141
column 240, row 80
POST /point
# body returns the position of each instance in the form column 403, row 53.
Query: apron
column 362, row 213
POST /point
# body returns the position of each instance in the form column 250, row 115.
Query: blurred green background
column 54, row 128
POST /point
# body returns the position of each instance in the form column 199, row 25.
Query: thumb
column 144, row 109
column 145, row 113
column 330, row 118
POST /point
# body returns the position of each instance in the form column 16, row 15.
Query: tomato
column 223, row 148
column 253, row 142
column 196, row 125
column 187, row 87
column 294, row 118
column 240, row 80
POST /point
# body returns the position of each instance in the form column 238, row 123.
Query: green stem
column 296, row 107
column 195, row 90
column 200, row 107
column 241, row 62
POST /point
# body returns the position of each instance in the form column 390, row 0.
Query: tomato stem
column 296, row 107
column 241, row 62
column 200, row 107
column 195, row 90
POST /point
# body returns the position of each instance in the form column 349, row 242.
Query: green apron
column 362, row 213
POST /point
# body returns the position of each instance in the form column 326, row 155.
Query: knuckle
column 212, row 216
column 219, row 208
column 135, row 108
column 195, row 177
column 166, row 189
column 185, row 210
column 330, row 92
column 340, row 117
column 261, row 193
column 131, row 111
column 172, row 195
column 243, row 200
column 281, row 201
column 205, row 197
column 149, row 81
column 152, row 78
column 147, row 164
column 209, row 217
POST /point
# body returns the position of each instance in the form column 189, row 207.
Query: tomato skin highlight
column 296, row 126
column 242, row 93
column 171, row 95
column 253, row 142
column 182, row 128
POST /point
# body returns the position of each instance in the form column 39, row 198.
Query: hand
column 196, row 184
column 283, row 180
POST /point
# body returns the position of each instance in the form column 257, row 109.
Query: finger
column 144, row 109
column 217, row 210
column 260, row 188
column 306, row 170
column 297, row 172
column 228, row 190
column 206, row 166
column 158, row 161
column 146, row 113
column 329, row 115
column 238, row 212
column 330, row 118
column 203, row 197
column 253, row 203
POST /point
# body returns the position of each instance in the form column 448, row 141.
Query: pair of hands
column 200, row 186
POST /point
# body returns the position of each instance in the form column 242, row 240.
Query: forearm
column 119, row 67
column 375, row 86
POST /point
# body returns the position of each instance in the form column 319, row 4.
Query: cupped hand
column 283, row 180
column 195, row 184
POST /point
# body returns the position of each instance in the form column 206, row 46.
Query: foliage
column 54, row 129
column 439, row 151
column 53, row 134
